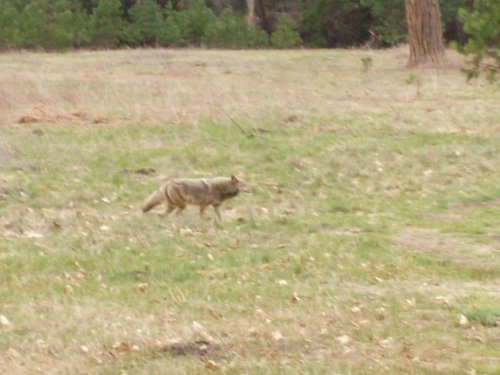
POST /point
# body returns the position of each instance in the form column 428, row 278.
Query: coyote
column 178, row 193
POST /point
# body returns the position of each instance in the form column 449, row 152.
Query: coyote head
column 239, row 185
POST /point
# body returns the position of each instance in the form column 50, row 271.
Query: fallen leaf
column 442, row 299
column 464, row 321
column 12, row 353
column 32, row 234
column 386, row 343
column 122, row 347
column 200, row 331
column 98, row 360
column 277, row 335
column 292, row 118
column 186, row 231
column 412, row 302
column 84, row 348
column 343, row 339
column 380, row 313
column 4, row 321
column 211, row 365
column 55, row 225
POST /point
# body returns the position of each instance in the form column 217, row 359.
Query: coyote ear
column 233, row 178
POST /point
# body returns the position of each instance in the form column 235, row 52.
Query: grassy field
column 370, row 243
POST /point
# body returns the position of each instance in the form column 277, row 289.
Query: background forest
column 64, row 24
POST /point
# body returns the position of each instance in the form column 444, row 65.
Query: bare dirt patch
column 445, row 217
column 474, row 205
column 445, row 246
column 200, row 348
column 28, row 223
column 8, row 161
column 140, row 171
column 42, row 115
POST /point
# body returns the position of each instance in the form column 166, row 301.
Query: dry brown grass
column 192, row 86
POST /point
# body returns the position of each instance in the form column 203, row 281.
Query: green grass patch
column 373, row 219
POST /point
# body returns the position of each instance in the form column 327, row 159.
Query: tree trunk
column 424, row 32
column 263, row 16
column 251, row 12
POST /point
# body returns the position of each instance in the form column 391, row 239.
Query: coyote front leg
column 216, row 208
column 202, row 210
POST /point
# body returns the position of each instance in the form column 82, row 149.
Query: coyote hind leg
column 180, row 208
column 169, row 209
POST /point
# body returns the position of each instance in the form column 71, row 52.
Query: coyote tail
column 154, row 200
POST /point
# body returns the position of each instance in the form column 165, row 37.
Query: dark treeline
column 63, row 24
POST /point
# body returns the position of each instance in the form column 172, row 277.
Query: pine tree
column 482, row 24
column 107, row 27
column 67, row 25
column 171, row 34
column 147, row 21
column 195, row 21
column 34, row 26
column 286, row 34
column 9, row 26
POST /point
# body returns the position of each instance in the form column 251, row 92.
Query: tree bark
column 263, row 15
column 251, row 12
column 425, row 33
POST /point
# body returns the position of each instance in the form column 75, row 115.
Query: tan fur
column 203, row 192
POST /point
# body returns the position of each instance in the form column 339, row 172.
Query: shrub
column 194, row 21
column 335, row 22
column 9, row 26
column 68, row 25
column 482, row 24
column 171, row 34
column 107, row 27
column 33, row 26
column 231, row 31
column 389, row 20
column 147, row 22
column 286, row 34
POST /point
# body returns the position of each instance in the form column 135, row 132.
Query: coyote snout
column 203, row 192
